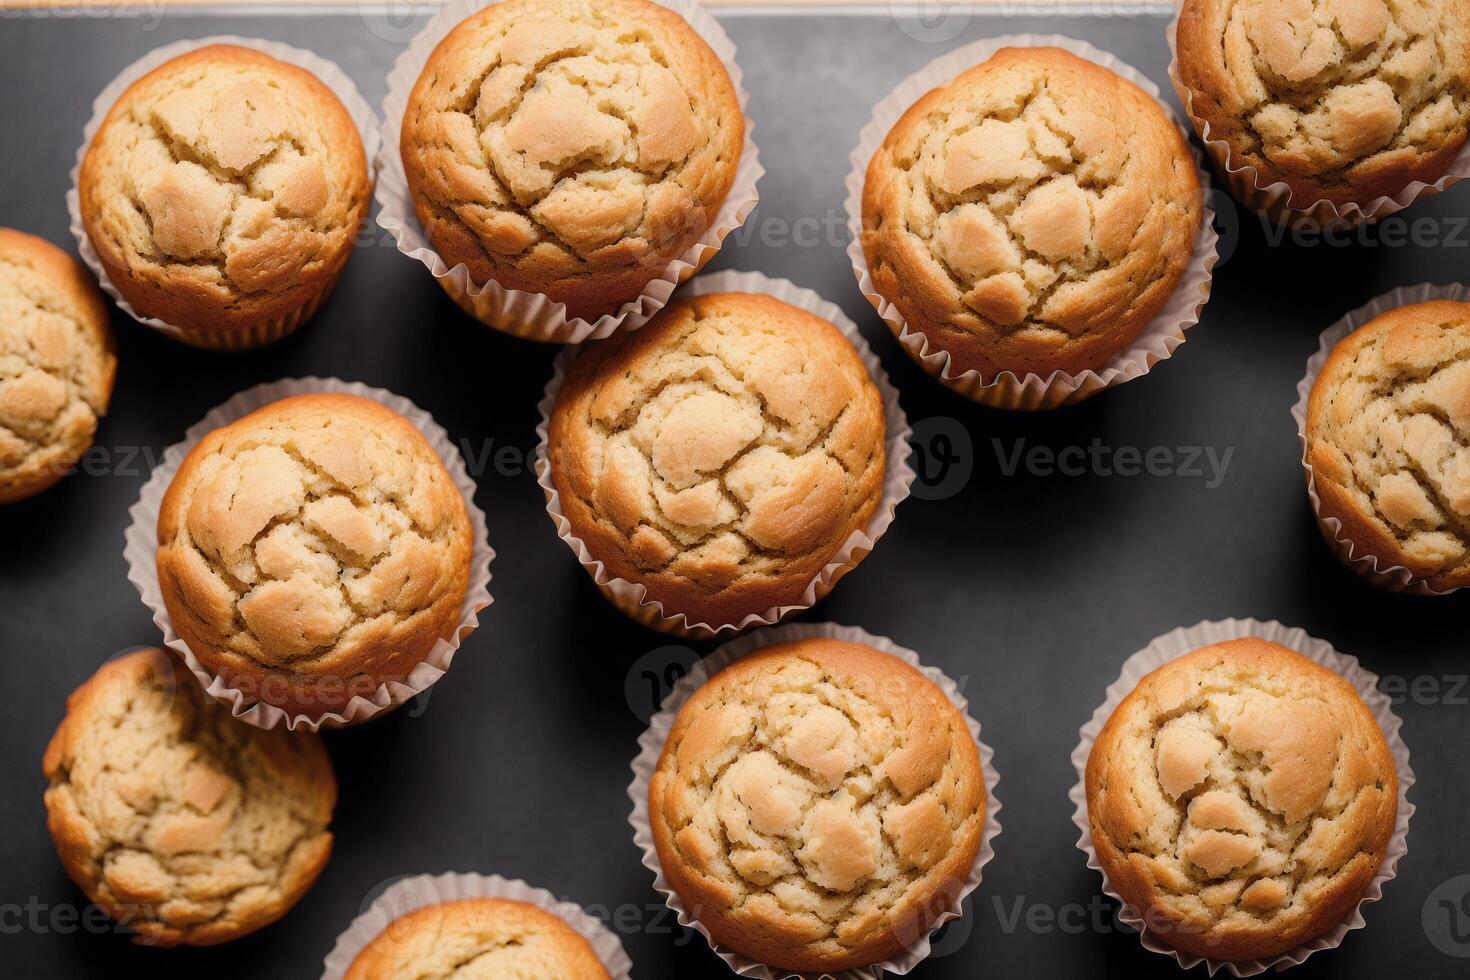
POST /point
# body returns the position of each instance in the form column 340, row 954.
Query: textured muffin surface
column 478, row 939
column 1343, row 100
column 1241, row 798
column 224, row 190
column 56, row 363
column 1032, row 215
column 720, row 455
column 817, row 805
column 1388, row 440
column 183, row 823
column 570, row 147
column 313, row 550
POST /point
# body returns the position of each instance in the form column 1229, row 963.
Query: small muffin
column 818, row 805
column 1241, row 798
column 720, row 455
column 1388, row 426
column 313, row 550
column 478, row 937
column 1032, row 215
column 571, row 148
column 57, row 363
column 1342, row 100
column 186, row 825
column 223, row 194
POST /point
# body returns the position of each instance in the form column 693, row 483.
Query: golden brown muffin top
column 57, row 363
column 1031, row 215
column 817, row 804
column 183, row 823
column 721, row 454
column 1388, row 439
column 478, row 939
column 1241, row 798
column 571, row 147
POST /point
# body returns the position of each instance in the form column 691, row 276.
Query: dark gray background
column 1030, row 590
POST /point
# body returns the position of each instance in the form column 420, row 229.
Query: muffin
column 185, row 825
column 1343, row 101
column 57, row 363
column 223, row 193
column 719, row 456
column 312, row 551
column 1031, row 216
column 817, row 806
column 1241, row 799
column 1388, row 426
column 571, row 148
column 478, row 937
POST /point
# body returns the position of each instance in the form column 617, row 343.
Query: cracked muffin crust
column 818, row 804
column 720, row 455
column 313, row 550
column 478, row 938
column 223, row 193
column 571, row 148
column 1388, row 440
column 1343, row 100
column 186, row 825
column 57, row 363
column 1032, row 215
column 1241, row 798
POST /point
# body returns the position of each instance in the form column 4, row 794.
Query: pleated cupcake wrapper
column 1185, row 640
column 410, row 894
column 1156, row 342
column 1379, row 571
column 651, row 747
column 141, row 554
column 1274, row 201
column 259, row 334
column 535, row 316
column 898, row 475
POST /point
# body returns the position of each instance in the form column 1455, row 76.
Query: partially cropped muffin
column 1032, row 215
column 1388, row 425
column 223, row 193
column 721, row 455
column 1241, row 799
column 818, row 805
column 313, row 550
column 571, row 148
column 57, row 363
column 185, row 825
column 1342, row 100
column 478, row 938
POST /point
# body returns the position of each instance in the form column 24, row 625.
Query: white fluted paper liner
column 1185, row 640
column 330, row 75
column 1156, row 342
column 535, row 316
column 141, row 554
column 898, row 475
column 1381, row 572
column 408, row 895
column 651, row 746
column 1274, row 200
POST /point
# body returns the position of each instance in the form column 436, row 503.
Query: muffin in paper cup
column 332, row 76
column 531, row 315
column 409, row 894
column 898, row 477
column 1186, row 640
column 651, row 746
column 141, row 554
column 1275, row 201
column 1380, row 572
column 1156, row 342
